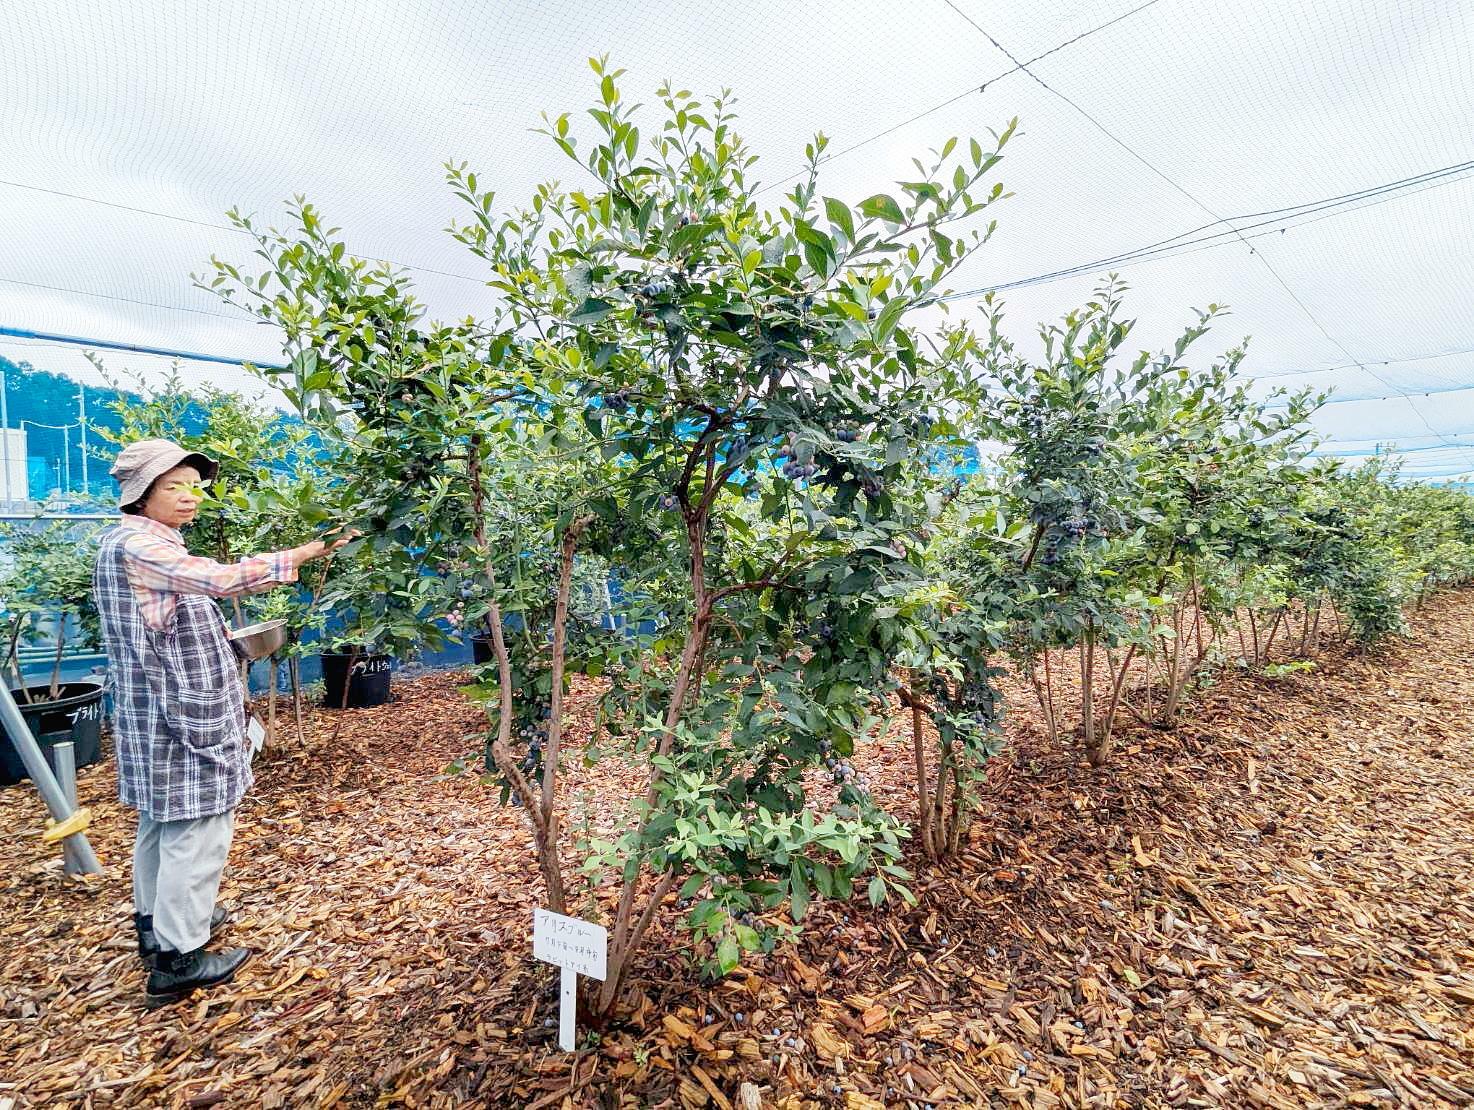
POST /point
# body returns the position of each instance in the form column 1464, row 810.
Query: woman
column 179, row 722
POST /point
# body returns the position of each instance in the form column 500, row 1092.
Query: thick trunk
column 1117, row 689
column 271, row 670
column 294, row 669
column 1181, row 675
column 61, row 644
column 1273, row 628
column 620, row 955
column 555, row 706
column 1146, row 660
column 1033, row 547
column 1098, row 752
column 1050, row 716
column 12, row 659
column 348, row 678
column 1198, row 618
column 939, row 799
column 1174, row 674
column 244, row 665
column 954, row 831
column 501, row 753
column 627, row 931
column 691, row 654
column 923, row 787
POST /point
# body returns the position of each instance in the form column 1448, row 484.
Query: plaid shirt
column 179, row 717
column 160, row 569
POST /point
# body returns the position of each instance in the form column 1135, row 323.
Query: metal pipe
column 66, row 778
column 111, row 345
column 40, row 772
column 71, row 518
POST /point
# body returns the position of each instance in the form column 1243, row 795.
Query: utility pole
column 5, row 431
column 66, row 458
column 82, row 416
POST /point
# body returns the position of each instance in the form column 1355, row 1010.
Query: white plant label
column 256, row 734
column 578, row 948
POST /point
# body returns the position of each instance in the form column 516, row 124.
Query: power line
column 1189, row 196
column 954, row 99
column 1401, row 396
column 115, row 297
column 1423, row 474
column 1386, row 449
column 1353, row 366
column 216, row 226
column 1354, row 194
column 1384, row 440
column 1293, row 216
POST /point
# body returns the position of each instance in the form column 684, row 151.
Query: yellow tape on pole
column 77, row 822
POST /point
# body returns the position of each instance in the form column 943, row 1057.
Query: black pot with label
column 368, row 685
column 75, row 715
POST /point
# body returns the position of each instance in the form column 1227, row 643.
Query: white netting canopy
column 1310, row 166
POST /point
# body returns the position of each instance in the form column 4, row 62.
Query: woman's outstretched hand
column 317, row 549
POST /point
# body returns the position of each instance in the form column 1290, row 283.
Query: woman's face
column 174, row 497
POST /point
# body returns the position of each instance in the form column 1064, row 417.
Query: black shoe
column 177, row 974
column 148, row 943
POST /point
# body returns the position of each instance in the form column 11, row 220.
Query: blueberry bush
column 750, row 378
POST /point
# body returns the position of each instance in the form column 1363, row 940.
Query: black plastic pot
column 368, row 686
column 76, row 716
column 481, row 649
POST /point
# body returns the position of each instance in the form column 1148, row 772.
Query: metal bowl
column 260, row 640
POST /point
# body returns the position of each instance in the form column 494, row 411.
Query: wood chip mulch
column 1271, row 906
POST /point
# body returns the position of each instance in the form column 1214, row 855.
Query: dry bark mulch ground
column 1270, row 906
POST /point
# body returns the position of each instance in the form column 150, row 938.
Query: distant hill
column 43, row 398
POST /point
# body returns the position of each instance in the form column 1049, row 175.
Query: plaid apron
column 179, row 720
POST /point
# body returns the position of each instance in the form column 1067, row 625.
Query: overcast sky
column 1178, row 114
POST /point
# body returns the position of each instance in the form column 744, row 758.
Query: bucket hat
column 138, row 464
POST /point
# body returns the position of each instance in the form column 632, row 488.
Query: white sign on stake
column 579, row 948
column 256, row 734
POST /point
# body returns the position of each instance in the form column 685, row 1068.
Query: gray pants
column 176, row 875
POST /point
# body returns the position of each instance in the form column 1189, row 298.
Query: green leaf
column 882, row 207
column 890, row 315
column 729, row 955
column 798, row 893
column 591, row 311
column 824, row 880
column 876, row 891
column 839, row 215
column 684, row 239
column 819, row 260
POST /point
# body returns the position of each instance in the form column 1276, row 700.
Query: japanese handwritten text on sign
column 568, row 942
